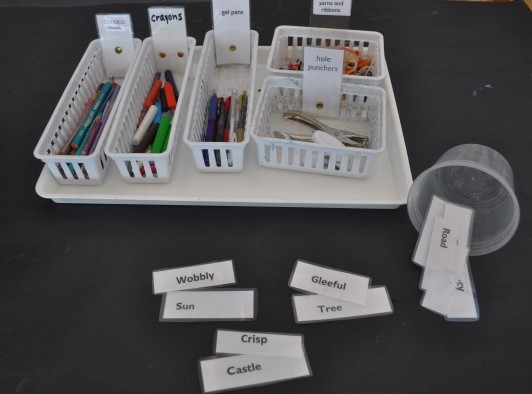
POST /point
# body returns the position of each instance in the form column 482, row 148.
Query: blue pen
column 211, row 127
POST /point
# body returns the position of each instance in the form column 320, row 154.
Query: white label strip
column 118, row 48
column 209, row 305
column 332, row 8
column 194, row 277
column 231, row 22
column 169, row 33
column 258, row 343
column 464, row 304
column 329, row 282
column 436, row 209
column 315, row 308
column 322, row 81
column 460, row 303
column 438, row 273
column 225, row 373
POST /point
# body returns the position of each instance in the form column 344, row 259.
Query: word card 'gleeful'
column 258, row 343
column 332, row 8
column 316, row 308
column 322, row 81
column 196, row 305
column 169, row 34
column 226, row 373
column 232, row 32
column 342, row 285
column 116, row 37
column 199, row 276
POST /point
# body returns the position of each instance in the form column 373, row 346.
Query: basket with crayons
column 72, row 144
column 150, row 119
column 221, row 108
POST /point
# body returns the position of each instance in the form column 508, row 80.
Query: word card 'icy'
column 219, row 273
column 225, row 373
column 342, row 285
column 316, row 308
column 258, row 343
column 197, row 305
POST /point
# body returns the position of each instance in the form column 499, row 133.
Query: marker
column 170, row 78
column 213, row 107
column 162, row 100
column 169, row 95
column 152, row 95
column 243, row 104
column 144, row 125
column 227, row 119
column 160, row 137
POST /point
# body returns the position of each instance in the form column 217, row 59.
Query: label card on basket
column 116, row 37
column 218, row 273
column 322, row 81
column 342, row 285
column 226, row 373
column 332, row 8
column 231, row 21
column 169, row 34
column 317, row 308
column 197, row 305
column 258, row 343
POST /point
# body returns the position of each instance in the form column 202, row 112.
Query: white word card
column 198, row 276
column 258, row 343
column 225, row 373
column 116, row 37
column 332, row 8
column 232, row 32
column 169, row 34
column 316, row 308
column 437, row 275
column 197, row 305
column 342, row 285
column 322, row 81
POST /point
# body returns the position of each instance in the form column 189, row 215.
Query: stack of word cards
column 245, row 359
column 184, row 299
column 335, row 294
column 442, row 250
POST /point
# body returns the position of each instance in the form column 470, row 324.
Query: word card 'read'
column 342, row 285
column 258, row 343
column 316, row 308
column 199, row 276
column 198, row 305
column 226, row 373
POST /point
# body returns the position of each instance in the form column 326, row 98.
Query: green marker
column 162, row 132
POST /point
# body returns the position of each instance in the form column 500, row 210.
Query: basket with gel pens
column 221, row 107
column 346, row 146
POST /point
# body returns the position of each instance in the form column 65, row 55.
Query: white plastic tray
column 386, row 187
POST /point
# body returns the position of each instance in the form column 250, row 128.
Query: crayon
column 160, row 137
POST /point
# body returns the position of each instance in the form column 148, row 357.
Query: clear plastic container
column 480, row 178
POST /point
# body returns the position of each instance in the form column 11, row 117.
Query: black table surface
column 77, row 313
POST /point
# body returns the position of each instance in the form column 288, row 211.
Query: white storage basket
column 289, row 42
column 147, row 167
column 212, row 78
column 362, row 110
column 79, row 170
